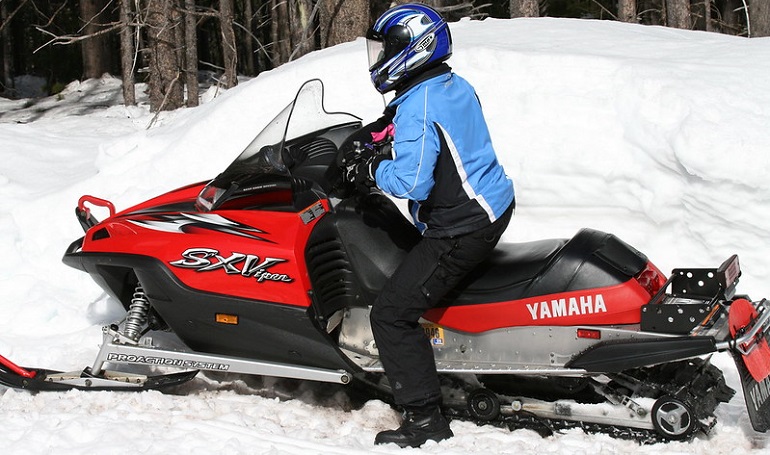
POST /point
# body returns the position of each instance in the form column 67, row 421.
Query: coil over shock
column 136, row 317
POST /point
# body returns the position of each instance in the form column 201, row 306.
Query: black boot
column 419, row 425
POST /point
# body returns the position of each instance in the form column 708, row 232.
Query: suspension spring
column 136, row 317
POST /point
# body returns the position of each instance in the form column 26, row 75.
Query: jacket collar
column 438, row 70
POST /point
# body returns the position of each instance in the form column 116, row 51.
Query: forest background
column 174, row 46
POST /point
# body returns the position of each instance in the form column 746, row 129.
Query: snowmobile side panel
column 252, row 254
column 241, row 253
column 612, row 305
column 265, row 330
column 617, row 356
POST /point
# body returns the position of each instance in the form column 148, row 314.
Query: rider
column 459, row 196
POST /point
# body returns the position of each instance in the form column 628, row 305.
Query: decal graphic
column 759, row 394
column 435, row 333
column 149, row 360
column 247, row 265
column 187, row 223
column 563, row 307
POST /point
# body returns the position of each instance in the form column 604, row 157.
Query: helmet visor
column 375, row 50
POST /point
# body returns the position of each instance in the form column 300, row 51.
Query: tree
column 292, row 29
column 759, row 17
column 302, row 27
column 97, row 58
column 229, row 51
column 247, row 39
column 127, row 53
column 627, row 10
column 166, row 82
column 525, row 8
column 702, row 13
column 678, row 14
column 730, row 16
column 191, row 53
column 5, row 34
column 343, row 20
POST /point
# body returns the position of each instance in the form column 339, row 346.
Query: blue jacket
column 444, row 162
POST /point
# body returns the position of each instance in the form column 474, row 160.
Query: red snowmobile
column 271, row 269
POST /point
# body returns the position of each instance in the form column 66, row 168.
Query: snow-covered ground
column 658, row 135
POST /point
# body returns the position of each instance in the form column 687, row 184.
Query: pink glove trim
column 389, row 131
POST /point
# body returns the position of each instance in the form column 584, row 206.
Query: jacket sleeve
column 415, row 148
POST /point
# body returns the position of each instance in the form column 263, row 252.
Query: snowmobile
column 271, row 269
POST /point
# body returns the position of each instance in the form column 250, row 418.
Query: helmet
column 406, row 40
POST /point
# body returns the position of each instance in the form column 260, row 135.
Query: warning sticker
column 435, row 334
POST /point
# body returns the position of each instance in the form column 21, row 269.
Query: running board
column 620, row 355
column 119, row 353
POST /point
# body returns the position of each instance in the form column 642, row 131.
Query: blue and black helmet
column 405, row 41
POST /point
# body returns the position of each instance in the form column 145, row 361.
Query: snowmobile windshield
column 266, row 163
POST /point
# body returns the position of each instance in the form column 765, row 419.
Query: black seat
column 512, row 263
column 510, row 266
column 591, row 259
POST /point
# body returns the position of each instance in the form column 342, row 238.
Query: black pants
column 431, row 269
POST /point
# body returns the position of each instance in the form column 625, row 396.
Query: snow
column 660, row 136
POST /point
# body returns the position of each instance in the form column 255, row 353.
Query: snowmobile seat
column 510, row 265
column 590, row 259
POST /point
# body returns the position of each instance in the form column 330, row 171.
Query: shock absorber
column 137, row 314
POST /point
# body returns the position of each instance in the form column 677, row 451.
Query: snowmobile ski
column 57, row 381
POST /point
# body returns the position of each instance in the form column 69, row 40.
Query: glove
column 362, row 173
column 367, row 136
column 363, row 151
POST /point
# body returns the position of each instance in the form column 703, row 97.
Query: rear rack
column 694, row 298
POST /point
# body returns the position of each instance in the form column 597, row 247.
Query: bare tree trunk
column 191, row 53
column 343, row 20
column 707, row 15
column 525, row 8
column 759, row 15
column 678, row 14
column 7, row 50
column 627, row 11
column 301, row 27
column 166, row 82
column 95, row 48
column 127, row 53
column 229, row 51
column 650, row 12
column 731, row 17
column 248, row 40
column 291, row 29
column 280, row 31
column 264, row 56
